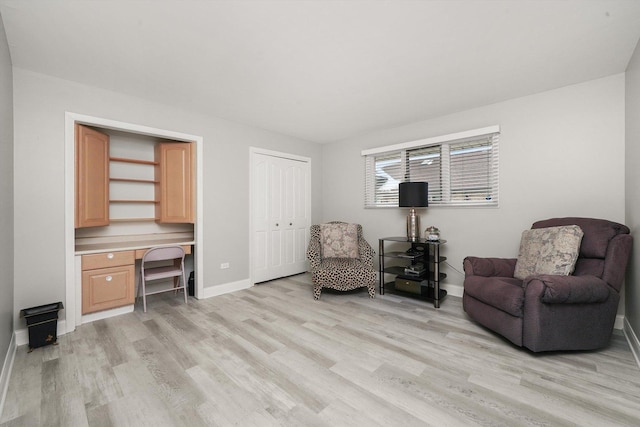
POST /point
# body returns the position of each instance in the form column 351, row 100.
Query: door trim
column 73, row 304
column 252, row 152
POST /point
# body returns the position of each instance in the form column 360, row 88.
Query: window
column 461, row 169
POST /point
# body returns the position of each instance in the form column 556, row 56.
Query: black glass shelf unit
column 416, row 268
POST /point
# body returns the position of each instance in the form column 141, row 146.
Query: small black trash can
column 42, row 322
column 191, row 285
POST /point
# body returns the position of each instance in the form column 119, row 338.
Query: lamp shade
column 413, row 194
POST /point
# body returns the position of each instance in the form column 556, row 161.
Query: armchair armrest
column 570, row 289
column 313, row 254
column 489, row 267
column 366, row 252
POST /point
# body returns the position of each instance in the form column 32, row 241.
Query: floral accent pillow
column 552, row 250
column 339, row 240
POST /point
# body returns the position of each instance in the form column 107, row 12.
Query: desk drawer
column 107, row 288
column 108, row 259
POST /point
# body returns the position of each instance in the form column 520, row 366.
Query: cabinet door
column 92, row 178
column 175, row 173
column 107, row 288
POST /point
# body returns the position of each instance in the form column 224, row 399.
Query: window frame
column 443, row 194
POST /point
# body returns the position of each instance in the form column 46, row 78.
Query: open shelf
column 403, row 255
column 427, row 275
column 133, row 201
column 426, row 292
column 137, row 161
column 133, row 219
column 144, row 181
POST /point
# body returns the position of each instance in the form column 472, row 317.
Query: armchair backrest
column 605, row 247
column 315, row 232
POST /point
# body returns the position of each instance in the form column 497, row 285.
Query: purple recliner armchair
column 553, row 312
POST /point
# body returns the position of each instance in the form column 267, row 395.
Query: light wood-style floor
column 271, row 356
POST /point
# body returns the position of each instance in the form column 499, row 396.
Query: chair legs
column 176, row 285
column 144, row 301
column 317, row 290
column 141, row 287
column 372, row 290
column 184, row 286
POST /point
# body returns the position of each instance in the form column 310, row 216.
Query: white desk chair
column 149, row 270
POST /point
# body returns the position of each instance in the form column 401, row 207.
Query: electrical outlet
column 224, row 265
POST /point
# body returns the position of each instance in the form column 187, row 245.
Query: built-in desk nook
column 132, row 192
column 109, row 270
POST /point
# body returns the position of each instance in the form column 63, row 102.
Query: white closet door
column 281, row 207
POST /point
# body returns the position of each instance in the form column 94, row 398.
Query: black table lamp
column 413, row 195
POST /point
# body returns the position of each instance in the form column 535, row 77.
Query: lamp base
column 413, row 225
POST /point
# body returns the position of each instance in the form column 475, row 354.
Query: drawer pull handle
column 108, row 278
column 110, row 255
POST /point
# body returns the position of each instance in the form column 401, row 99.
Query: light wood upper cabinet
column 171, row 182
column 92, row 178
column 175, row 190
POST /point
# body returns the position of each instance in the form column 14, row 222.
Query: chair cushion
column 504, row 293
column 348, row 265
column 339, row 240
column 344, row 274
column 551, row 250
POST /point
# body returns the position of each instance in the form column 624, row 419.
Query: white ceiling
column 324, row 70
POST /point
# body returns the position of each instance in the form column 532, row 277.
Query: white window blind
column 461, row 169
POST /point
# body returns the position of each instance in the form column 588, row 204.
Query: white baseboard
column 92, row 317
column 453, row 289
column 619, row 323
column 226, row 288
column 633, row 341
column 7, row 367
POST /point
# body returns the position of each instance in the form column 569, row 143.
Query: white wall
column 6, row 199
column 40, row 105
column 561, row 154
column 632, row 170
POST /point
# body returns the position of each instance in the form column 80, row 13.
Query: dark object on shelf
column 432, row 234
column 415, row 269
column 191, row 284
column 417, row 249
column 42, row 322
column 411, row 286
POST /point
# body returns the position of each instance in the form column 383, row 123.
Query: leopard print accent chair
column 343, row 274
